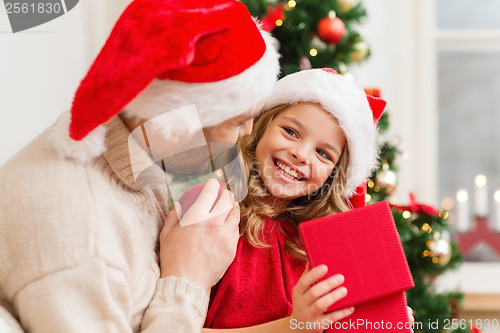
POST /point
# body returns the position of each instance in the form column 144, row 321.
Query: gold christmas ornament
column 346, row 5
column 439, row 250
column 360, row 51
column 386, row 179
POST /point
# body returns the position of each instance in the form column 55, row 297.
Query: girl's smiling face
column 299, row 150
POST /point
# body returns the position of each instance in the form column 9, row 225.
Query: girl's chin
column 285, row 195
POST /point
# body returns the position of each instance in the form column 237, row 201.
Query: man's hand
column 203, row 249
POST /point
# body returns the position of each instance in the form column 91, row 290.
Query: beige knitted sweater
column 78, row 245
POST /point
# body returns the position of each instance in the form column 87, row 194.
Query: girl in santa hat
column 307, row 157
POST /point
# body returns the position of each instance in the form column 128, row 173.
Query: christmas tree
column 314, row 33
column 322, row 33
column 423, row 232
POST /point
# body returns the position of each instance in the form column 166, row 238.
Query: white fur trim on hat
column 82, row 151
column 346, row 102
column 216, row 101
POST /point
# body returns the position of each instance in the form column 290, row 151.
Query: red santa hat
column 166, row 54
column 356, row 112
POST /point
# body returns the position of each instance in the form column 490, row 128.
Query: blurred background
column 436, row 62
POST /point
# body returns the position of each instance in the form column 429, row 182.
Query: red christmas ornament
column 331, row 30
column 475, row 329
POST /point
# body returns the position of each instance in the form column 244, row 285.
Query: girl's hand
column 411, row 319
column 311, row 301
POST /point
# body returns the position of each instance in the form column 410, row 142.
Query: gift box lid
column 363, row 245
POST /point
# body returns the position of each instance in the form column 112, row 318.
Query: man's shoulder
column 42, row 149
column 56, row 213
column 44, row 195
column 39, row 169
column 53, row 153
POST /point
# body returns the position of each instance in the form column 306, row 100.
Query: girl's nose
column 300, row 155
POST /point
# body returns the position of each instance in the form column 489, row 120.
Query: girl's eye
column 290, row 132
column 323, row 154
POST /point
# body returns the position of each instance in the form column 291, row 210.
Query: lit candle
column 480, row 196
column 462, row 211
column 497, row 211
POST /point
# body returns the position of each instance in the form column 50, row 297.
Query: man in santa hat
column 78, row 232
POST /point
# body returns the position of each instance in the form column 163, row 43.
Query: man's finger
column 178, row 209
column 207, row 196
column 234, row 216
column 172, row 217
column 224, row 205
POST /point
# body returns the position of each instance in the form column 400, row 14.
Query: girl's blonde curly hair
column 325, row 201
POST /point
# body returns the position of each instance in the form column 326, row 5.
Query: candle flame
column 496, row 196
column 462, row 196
column 480, row 180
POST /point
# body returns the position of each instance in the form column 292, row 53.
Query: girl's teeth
column 289, row 173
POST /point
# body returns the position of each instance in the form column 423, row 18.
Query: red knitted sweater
column 257, row 287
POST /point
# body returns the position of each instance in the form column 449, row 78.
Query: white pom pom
column 85, row 150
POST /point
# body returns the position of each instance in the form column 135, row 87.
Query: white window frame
column 405, row 41
column 478, row 280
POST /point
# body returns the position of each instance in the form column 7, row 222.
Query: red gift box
column 364, row 246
